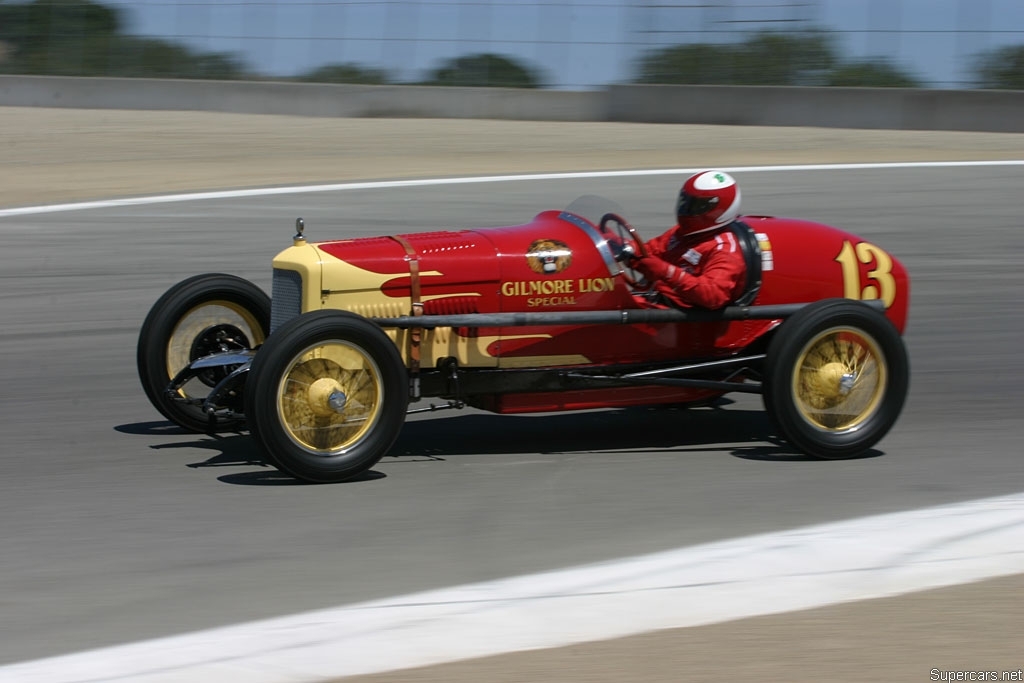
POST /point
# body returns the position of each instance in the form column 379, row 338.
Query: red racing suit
column 705, row 269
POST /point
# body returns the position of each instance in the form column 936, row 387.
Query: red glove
column 654, row 268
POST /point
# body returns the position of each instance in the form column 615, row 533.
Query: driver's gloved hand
column 654, row 268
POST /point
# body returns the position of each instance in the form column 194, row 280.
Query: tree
column 781, row 59
column 484, row 70
column 64, row 37
column 1002, row 68
column 346, row 73
column 766, row 58
column 151, row 58
column 872, row 74
column 83, row 38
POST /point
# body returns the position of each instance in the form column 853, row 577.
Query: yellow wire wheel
column 326, row 396
column 330, row 397
column 199, row 316
column 198, row 331
column 835, row 376
column 839, row 379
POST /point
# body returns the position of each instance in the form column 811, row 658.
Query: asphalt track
column 119, row 527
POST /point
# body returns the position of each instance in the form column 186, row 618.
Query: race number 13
column 879, row 283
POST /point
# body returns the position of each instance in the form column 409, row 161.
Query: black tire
column 173, row 335
column 327, row 396
column 836, row 378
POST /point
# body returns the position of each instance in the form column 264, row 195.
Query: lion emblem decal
column 548, row 257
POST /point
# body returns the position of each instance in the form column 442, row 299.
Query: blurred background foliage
column 484, row 70
column 764, row 59
column 82, row 38
column 1002, row 68
column 346, row 73
column 769, row 58
column 86, row 38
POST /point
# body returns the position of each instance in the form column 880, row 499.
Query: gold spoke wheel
column 836, row 377
column 330, row 397
column 839, row 379
column 326, row 396
column 199, row 316
column 204, row 317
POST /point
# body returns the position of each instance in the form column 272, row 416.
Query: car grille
column 285, row 298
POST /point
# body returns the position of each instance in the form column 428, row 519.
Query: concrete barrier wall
column 301, row 99
column 891, row 108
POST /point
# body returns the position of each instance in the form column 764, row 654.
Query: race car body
column 548, row 315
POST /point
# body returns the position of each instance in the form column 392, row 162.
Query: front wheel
column 837, row 377
column 202, row 315
column 326, row 396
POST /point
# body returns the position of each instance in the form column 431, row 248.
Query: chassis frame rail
column 619, row 317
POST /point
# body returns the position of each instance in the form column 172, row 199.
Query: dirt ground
column 63, row 155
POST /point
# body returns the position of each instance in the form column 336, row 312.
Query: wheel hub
column 326, row 398
column 846, row 382
column 831, row 383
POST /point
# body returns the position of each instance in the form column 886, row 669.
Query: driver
column 698, row 262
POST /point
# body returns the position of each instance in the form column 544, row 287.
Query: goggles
column 694, row 206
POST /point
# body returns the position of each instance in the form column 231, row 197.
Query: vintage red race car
column 537, row 317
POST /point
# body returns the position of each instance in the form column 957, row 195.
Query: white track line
column 424, row 182
column 865, row 558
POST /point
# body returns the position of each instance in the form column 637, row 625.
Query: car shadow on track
column 630, row 430
column 234, row 449
column 746, row 434
column 152, row 429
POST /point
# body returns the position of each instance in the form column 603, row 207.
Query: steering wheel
column 626, row 245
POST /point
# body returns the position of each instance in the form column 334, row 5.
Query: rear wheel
column 837, row 377
column 199, row 316
column 326, row 396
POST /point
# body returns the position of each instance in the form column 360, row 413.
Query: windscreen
column 593, row 207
